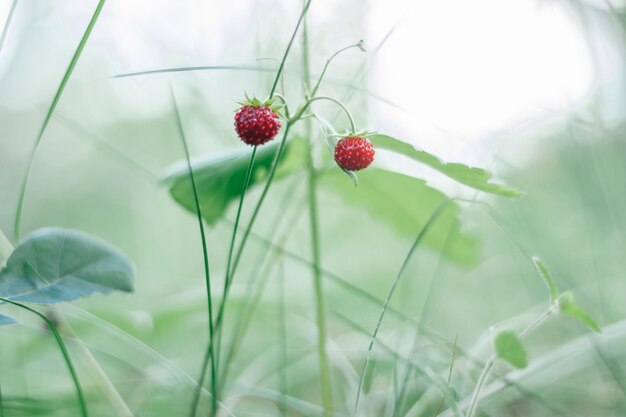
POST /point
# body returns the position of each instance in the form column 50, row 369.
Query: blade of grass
column 53, row 105
column 449, row 377
column 439, row 382
column 408, row 257
column 7, row 23
column 198, row 68
column 66, row 356
column 207, row 273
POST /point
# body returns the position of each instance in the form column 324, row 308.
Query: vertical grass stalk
column 207, row 273
column 82, row 403
column 320, row 314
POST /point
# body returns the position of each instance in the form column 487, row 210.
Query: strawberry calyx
column 270, row 103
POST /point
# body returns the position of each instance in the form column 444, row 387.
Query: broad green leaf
column 508, row 347
column 6, row 320
column 477, row 178
column 54, row 265
column 405, row 204
column 569, row 307
column 554, row 291
column 220, row 179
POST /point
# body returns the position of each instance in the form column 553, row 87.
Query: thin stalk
column 266, row 259
column 220, row 314
column 246, row 184
column 66, row 77
column 479, row 386
column 282, row 335
column 107, row 387
column 1, row 403
column 489, row 364
column 66, row 356
column 7, row 24
column 339, row 103
column 443, row 400
column 255, row 213
column 328, row 61
column 207, row 273
column 320, row 314
column 305, row 9
column 408, row 257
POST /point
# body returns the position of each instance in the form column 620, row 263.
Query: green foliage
column 509, row 348
column 405, row 204
column 477, row 178
column 6, row 320
column 568, row 307
column 543, row 272
column 220, row 180
column 54, row 265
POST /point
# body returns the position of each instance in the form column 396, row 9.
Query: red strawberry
column 256, row 124
column 354, row 153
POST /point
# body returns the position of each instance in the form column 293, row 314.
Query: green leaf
column 543, row 272
column 405, row 204
column 54, row 265
column 220, row 179
column 508, row 347
column 568, row 307
column 477, row 178
column 6, row 320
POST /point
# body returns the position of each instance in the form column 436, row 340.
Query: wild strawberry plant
column 57, row 265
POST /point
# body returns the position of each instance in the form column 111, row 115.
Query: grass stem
column 82, row 403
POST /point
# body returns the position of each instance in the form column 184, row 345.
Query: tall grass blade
column 66, row 77
column 408, row 257
column 207, row 273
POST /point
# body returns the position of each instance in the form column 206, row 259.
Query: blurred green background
column 533, row 90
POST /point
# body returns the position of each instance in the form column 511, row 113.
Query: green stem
column 479, row 386
column 328, row 61
column 339, row 103
column 105, row 384
column 207, row 273
column 483, row 375
column 293, row 36
column 417, row 241
column 7, row 23
column 66, row 356
column 320, row 314
column 17, row 225
column 231, row 249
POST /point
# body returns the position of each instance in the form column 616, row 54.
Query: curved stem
column 207, row 274
column 337, row 102
column 66, row 356
column 359, row 45
column 479, row 386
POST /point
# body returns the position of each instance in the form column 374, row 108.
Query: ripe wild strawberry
column 256, row 123
column 354, row 153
